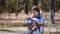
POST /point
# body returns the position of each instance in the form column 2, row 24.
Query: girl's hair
column 36, row 9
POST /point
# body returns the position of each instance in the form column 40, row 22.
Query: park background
column 13, row 14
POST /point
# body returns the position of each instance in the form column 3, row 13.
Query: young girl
column 35, row 22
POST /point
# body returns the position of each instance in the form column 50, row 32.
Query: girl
column 35, row 22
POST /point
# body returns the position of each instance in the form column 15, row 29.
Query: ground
column 22, row 30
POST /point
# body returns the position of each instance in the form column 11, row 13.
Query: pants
column 37, row 31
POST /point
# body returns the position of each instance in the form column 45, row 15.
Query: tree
column 35, row 2
column 2, row 6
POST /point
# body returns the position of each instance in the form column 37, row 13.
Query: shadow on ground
column 12, row 32
column 24, row 32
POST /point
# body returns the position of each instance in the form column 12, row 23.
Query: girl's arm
column 39, row 22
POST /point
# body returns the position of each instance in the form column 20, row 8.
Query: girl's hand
column 34, row 28
column 34, row 18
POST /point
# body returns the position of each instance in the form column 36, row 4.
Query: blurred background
column 13, row 14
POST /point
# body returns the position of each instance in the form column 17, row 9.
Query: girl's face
column 35, row 13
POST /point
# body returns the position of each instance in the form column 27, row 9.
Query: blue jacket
column 39, row 20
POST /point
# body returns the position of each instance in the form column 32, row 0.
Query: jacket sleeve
column 41, row 20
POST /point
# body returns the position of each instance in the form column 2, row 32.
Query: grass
column 11, row 26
